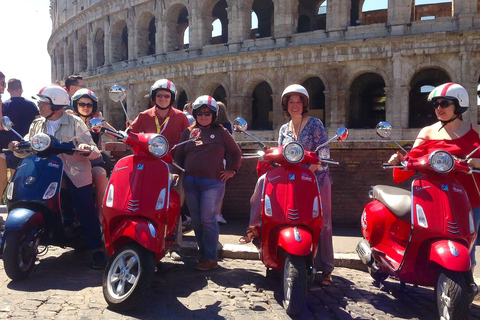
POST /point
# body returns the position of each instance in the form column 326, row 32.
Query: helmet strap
column 162, row 108
column 444, row 123
column 50, row 115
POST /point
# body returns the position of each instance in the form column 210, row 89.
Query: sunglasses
column 206, row 113
column 444, row 104
column 166, row 96
column 88, row 105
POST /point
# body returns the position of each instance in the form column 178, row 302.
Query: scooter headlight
column 158, row 146
column 40, row 142
column 293, row 152
column 441, row 161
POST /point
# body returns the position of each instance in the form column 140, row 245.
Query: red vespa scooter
column 291, row 215
column 423, row 236
column 141, row 211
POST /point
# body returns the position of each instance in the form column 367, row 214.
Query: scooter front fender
column 295, row 241
column 451, row 255
column 137, row 229
column 23, row 219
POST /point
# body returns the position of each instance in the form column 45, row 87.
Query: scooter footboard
column 296, row 241
column 451, row 255
column 139, row 230
column 23, row 219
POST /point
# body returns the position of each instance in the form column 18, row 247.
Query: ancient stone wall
column 359, row 67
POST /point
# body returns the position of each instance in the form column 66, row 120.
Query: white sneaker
column 220, row 219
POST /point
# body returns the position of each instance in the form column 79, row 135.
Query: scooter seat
column 398, row 200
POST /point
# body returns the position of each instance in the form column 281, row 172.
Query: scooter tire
column 451, row 295
column 294, row 278
column 18, row 255
column 128, row 276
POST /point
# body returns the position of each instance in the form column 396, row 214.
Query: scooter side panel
column 291, row 190
column 32, row 178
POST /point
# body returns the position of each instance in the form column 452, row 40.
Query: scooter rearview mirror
column 240, row 125
column 195, row 134
column 95, row 124
column 383, row 129
column 342, row 134
column 117, row 93
column 7, row 125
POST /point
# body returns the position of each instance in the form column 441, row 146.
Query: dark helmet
column 82, row 93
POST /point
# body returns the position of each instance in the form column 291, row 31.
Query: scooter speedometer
column 40, row 142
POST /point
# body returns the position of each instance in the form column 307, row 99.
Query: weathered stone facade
column 356, row 73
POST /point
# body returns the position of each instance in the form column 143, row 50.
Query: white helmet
column 452, row 91
column 295, row 89
column 163, row 84
column 54, row 94
column 206, row 101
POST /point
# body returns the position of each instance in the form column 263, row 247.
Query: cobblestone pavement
column 63, row 286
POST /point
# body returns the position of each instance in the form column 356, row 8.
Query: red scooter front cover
column 291, row 190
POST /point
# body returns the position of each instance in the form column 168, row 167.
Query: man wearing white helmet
column 77, row 169
column 452, row 134
column 162, row 118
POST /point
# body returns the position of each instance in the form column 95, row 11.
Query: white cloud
column 26, row 28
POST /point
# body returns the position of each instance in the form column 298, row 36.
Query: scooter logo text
column 53, row 165
column 122, row 168
column 457, row 189
column 306, row 177
column 274, row 178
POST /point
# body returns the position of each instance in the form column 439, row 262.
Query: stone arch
column 260, row 92
column 176, row 22
column 82, row 53
column 311, row 15
column 420, row 110
column 220, row 94
column 219, row 12
column 432, row 11
column 146, row 34
column 367, row 100
column 142, row 101
column 99, row 48
column 182, row 99
column 377, row 15
column 119, row 41
column 264, row 9
column 316, row 91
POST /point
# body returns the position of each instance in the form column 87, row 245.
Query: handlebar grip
column 5, row 150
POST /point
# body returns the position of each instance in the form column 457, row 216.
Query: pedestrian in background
column 225, row 122
column 22, row 112
column 4, row 139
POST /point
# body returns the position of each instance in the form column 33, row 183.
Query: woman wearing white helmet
column 205, row 175
column 162, row 117
column 452, row 134
column 310, row 132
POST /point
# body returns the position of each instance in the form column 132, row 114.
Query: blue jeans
column 203, row 196
column 476, row 219
column 84, row 206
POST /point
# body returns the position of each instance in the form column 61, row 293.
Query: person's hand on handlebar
column 474, row 163
column 396, row 159
column 88, row 149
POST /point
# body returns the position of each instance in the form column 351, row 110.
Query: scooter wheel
column 18, row 255
column 128, row 276
column 451, row 295
column 294, row 278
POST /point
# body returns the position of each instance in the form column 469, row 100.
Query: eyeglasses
column 166, row 96
column 88, row 105
column 206, row 113
column 43, row 104
column 444, row 104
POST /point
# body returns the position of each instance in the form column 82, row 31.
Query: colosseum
column 360, row 67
